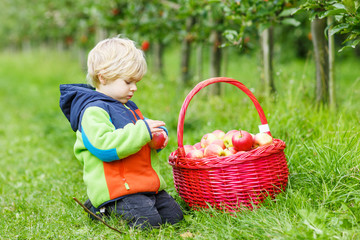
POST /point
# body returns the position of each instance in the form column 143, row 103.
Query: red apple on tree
column 158, row 140
column 195, row 154
column 213, row 150
column 242, row 141
column 115, row 11
column 262, row 139
column 145, row 45
column 207, row 139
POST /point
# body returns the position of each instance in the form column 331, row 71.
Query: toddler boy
column 120, row 170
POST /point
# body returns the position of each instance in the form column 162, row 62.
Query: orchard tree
column 198, row 22
column 201, row 22
column 327, row 19
column 139, row 20
column 157, row 23
column 262, row 15
column 217, row 24
column 187, row 16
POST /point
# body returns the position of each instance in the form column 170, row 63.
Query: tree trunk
column 199, row 62
column 26, row 45
column 158, row 57
column 186, row 52
column 60, row 46
column 321, row 59
column 100, row 34
column 83, row 58
column 267, row 49
column 332, row 97
column 215, row 58
column 225, row 60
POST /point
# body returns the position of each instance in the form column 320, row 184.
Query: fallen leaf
column 186, row 235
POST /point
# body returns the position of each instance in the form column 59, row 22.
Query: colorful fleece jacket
column 111, row 143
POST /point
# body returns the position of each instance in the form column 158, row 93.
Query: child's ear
column 101, row 80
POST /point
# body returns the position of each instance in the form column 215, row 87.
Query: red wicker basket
column 231, row 183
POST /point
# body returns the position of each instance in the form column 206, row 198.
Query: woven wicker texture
column 231, row 183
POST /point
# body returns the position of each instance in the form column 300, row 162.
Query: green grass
column 39, row 174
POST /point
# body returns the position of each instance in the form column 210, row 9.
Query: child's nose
column 133, row 87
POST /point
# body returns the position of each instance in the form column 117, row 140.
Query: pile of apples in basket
column 219, row 143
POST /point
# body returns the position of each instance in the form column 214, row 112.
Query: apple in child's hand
column 213, row 150
column 242, row 141
column 195, row 154
column 228, row 138
column 158, row 140
column 207, row 139
column 262, row 139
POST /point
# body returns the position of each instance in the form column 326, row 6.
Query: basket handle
column 180, row 128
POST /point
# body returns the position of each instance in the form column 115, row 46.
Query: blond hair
column 115, row 58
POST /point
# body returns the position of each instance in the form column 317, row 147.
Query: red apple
column 227, row 152
column 145, row 45
column 195, row 154
column 213, row 150
column 197, row 145
column 242, row 141
column 219, row 142
column 202, row 149
column 228, row 138
column 262, row 139
column 207, row 139
column 158, row 140
column 219, row 134
column 253, row 136
column 232, row 150
column 188, row 148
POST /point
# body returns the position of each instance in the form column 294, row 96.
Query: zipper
column 122, row 174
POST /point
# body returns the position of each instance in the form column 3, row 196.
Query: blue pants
column 146, row 210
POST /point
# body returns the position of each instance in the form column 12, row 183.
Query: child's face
column 120, row 89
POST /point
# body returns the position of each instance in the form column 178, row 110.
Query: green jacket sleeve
column 107, row 143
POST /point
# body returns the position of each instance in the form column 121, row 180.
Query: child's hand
column 154, row 125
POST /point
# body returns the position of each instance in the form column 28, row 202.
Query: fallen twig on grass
column 97, row 217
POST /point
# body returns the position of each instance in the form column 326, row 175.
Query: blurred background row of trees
column 296, row 27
